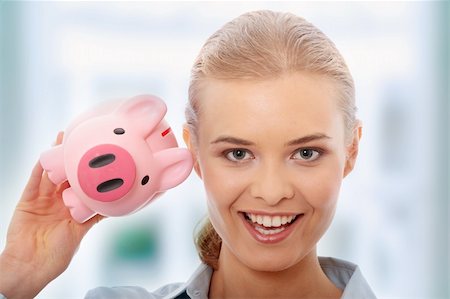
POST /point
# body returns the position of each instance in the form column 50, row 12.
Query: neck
column 305, row 279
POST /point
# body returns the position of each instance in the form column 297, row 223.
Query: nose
column 272, row 183
column 106, row 172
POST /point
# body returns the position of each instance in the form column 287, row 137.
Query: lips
column 270, row 228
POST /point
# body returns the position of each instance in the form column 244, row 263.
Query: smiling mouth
column 270, row 225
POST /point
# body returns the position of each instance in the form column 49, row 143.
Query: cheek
column 222, row 190
column 220, row 181
column 321, row 192
column 220, row 185
column 321, row 188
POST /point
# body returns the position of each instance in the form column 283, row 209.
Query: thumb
column 85, row 227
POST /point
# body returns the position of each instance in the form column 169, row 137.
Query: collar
column 346, row 276
column 343, row 274
column 197, row 287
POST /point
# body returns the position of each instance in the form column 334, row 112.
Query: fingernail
column 57, row 137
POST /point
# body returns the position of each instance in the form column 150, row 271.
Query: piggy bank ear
column 176, row 165
column 145, row 111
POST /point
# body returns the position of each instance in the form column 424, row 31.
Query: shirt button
column 197, row 293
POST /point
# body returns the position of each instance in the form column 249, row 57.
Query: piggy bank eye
column 145, row 180
column 119, row 131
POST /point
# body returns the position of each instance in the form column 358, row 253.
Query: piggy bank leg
column 79, row 211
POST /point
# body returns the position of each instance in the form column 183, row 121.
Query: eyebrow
column 308, row 138
column 233, row 140
column 301, row 140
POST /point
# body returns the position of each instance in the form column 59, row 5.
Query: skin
column 252, row 155
column 42, row 237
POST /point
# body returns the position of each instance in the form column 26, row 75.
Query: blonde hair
column 263, row 45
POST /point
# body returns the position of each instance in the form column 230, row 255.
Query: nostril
column 102, row 160
column 109, row 185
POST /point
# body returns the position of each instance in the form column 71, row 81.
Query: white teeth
column 276, row 221
column 270, row 221
column 259, row 219
column 269, row 231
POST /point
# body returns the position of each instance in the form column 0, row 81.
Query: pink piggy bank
column 117, row 158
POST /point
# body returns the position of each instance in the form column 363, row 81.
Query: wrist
column 17, row 279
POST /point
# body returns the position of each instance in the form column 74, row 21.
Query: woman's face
column 272, row 155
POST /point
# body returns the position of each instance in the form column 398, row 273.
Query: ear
column 145, row 111
column 188, row 140
column 352, row 149
column 176, row 165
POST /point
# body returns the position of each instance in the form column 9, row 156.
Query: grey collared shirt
column 344, row 275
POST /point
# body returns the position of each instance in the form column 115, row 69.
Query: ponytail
column 208, row 244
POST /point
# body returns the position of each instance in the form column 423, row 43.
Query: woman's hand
column 42, row 237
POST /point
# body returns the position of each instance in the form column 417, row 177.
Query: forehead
column 294, row 104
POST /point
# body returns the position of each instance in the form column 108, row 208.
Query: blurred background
column 59, row 58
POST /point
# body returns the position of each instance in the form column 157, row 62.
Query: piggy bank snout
column 106, row 172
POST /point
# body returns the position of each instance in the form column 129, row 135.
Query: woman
column 271, row 124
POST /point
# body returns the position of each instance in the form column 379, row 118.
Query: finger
column 32, row 186
column 59, row 138
column 47, row 187
column 61, row 187
column 94, row 220
column 85, row 227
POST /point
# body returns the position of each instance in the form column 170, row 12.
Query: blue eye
column 238, row 155
column 306, row 154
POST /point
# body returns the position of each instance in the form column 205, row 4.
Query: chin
column 271, row 262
